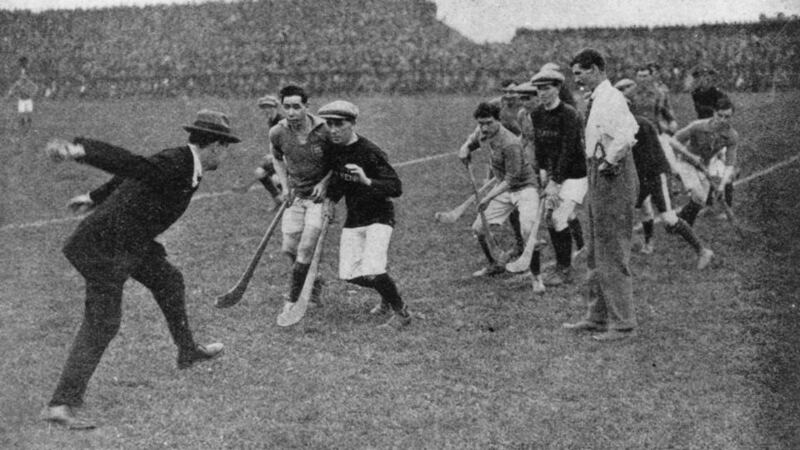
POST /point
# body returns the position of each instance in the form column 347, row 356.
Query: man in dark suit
column 117, row 241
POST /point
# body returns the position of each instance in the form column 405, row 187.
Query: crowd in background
column 367, row 46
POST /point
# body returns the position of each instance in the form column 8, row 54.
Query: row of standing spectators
column 367, row 46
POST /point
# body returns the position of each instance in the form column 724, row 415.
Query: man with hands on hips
column 117, row 241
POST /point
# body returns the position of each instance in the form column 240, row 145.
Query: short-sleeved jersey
column 366, row 205
column 706, row 139
column 305, row 164
column 558, row 139
column 508, row 160
column 705, row 100
column 647, row 152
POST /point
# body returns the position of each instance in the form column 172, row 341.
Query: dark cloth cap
column 214, row 123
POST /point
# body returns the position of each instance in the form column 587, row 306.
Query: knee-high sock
column 647, row 228
column 385, row 286
column 299, row 272
column 485, row 247
column 562, row 246
column 513, row 219
column 729, row 194
column 577, row 232
column 536, row 262
column 683, row 229
column 690, row 211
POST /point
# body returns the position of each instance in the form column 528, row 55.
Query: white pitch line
column 201, row 196
column 46, row 222
column 763, row 172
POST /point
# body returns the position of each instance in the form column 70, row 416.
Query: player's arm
column 470, row 145
column 278, row 163
column 682, row 150
column 382, row 180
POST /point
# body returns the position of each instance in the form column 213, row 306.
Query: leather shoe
column 200, row 353
column 614, row 335
column 63, row 415
column 585, row 325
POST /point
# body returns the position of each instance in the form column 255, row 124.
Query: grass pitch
column 715, row 364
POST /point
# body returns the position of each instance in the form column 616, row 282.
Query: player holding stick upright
column 297, row 147
column 558, row 130
column 516, row 187
column 364, row 177
column 705, row 139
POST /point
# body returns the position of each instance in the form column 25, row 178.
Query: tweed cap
column 547, row 76
column 214, row 123
column 551, row 66
column 624, row 83
column 339, row 109
column 268, row 100
column 526, row 88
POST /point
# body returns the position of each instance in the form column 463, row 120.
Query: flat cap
column 268, row 100
column 547, row 76
column 624, row 83
column 551, row 66
column 339, row 109
column 526, row 88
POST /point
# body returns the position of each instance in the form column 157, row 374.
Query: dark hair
column 292, row 89
column 589, row 57
column 202, row 139
column 724, row 103
column 485, row 110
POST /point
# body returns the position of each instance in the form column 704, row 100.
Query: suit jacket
column 143, row 199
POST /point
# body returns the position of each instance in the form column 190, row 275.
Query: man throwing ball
column 117, row 242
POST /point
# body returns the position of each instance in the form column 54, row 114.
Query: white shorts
column 303, row 213
column 526, row 201
column 363, row 250
column 25, row 106
column 693, row 181
column 574, row 189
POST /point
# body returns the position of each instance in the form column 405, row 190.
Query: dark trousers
column 105, row 274
column 611, row 210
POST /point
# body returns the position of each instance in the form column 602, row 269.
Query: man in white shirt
column 613, row 186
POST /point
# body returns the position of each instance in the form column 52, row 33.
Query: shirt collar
column 197, row 174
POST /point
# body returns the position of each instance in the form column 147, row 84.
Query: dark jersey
column 647, row 152
column 705, row 100
column 558, row 141
column 366, row 205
